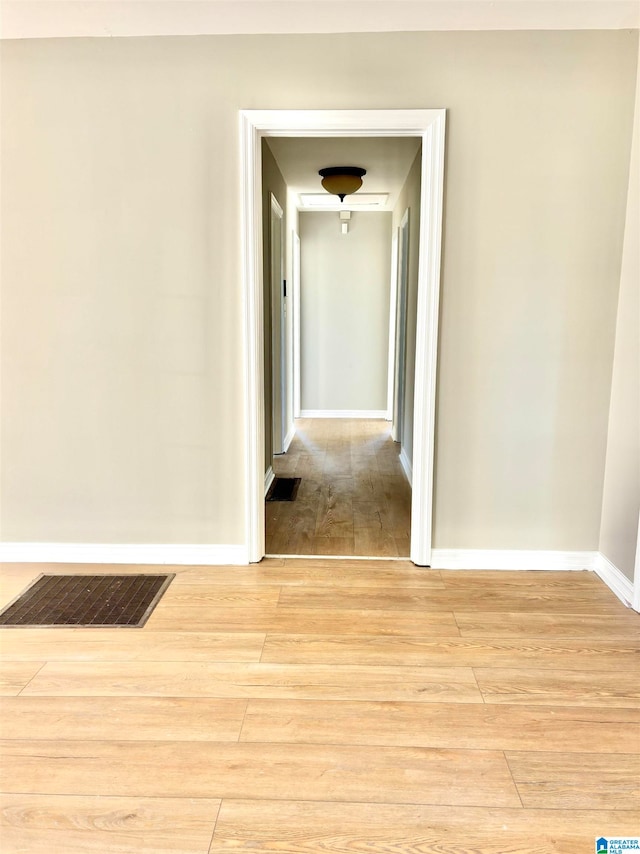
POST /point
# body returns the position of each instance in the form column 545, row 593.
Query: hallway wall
column 122, row 324
column 621, row 495
column 345, row 281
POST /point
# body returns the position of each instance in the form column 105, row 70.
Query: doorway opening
column 353, row 495
column 428, row 125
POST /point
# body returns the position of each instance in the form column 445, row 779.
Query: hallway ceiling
column 62, row 19
column 386, row 159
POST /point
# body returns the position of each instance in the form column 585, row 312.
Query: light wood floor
column 315, row 706
column 353, row 499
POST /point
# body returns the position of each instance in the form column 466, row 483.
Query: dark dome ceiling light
column 342, row 180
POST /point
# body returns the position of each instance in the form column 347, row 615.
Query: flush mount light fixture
column 342, row 180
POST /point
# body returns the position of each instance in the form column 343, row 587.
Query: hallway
column 354, row 498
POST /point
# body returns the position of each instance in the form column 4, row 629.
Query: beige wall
column 122, row 405
column 409, row 198
column 344, row 311
column 621, row 498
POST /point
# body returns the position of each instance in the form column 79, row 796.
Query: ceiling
column 386, row 159
column 69, row 18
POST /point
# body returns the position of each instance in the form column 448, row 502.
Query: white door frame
column 278, row 345
column 400, row 332
column 295, row 294
column 391, row 366
column 635, row 604
column 429, row 125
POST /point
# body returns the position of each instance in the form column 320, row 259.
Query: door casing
column 400, row 331
column 393, row 296
column 429, row 126
column 278, row 320
column 295, row 291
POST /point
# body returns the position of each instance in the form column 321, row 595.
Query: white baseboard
column 268, row 479
column 288, row 439
column 343, row 413
column 511, row 559
column 515, row 559
column 135, row 553
column 614, row 578
column 238, row 555
column 407, row 468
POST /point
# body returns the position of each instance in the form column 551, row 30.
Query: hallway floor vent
column 284, row 489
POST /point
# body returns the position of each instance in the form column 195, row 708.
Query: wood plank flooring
column 306, row 706
column 354, row 498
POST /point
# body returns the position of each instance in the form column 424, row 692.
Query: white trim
column 337, row 123
column 269, row 477
column 277, row 274
column 297, row 343
column 614, row 578
column 133, row 553
column 237, row 555
column 636, row 573
column 424, row 391
column 288, row 439
column 407, row 468
column 400, row 331
column 393, row 290
column 514, row 559
column 343, row 413
column 253, row 346
column 276, row 207
column 429, row 125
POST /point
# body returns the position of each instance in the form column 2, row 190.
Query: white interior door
column 401, row 330
column 278, row 327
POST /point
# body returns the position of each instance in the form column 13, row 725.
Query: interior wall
column 122, row 326
column 272, row 182
column 409, row 197
column 344, row 311
column 621, row 496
